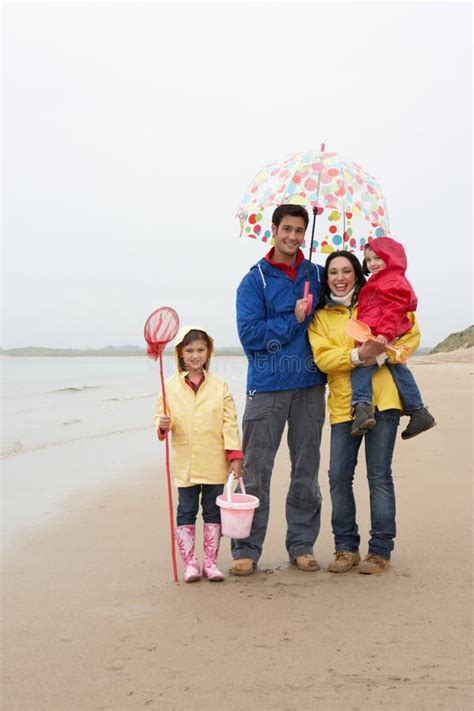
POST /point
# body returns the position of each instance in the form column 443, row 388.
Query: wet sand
column 93, row 621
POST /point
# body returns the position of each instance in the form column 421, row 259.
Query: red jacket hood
column 391, row 251
column 387, row 296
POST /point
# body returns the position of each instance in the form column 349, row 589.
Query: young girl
column 383, row 303
column 205, row 444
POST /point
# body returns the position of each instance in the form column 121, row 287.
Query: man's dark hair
column 293, row 210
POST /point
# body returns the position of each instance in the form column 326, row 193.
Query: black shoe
column 363, row 419
column 420, row 421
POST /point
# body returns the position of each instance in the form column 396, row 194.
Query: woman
column 335, row 354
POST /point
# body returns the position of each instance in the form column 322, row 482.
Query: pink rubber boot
column 212, row 539
column 185, row 538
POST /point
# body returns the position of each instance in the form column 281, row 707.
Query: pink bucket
column 236, row 510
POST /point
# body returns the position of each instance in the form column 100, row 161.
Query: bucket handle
column 228, row 486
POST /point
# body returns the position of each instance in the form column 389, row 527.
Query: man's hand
column 235, row 466
column 300, row 310
column 164, row 423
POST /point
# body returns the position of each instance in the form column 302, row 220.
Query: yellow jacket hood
column 182, row 333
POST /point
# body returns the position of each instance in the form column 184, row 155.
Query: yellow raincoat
column 203, row 425
column 332, row 348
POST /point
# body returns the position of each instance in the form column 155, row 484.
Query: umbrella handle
column 309, row 297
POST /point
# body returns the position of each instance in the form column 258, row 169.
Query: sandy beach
column 93, row 621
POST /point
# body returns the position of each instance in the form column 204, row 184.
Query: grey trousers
column 265, row 417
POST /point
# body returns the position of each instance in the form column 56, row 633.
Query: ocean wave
column 47, row 405
column 132, row 397
column 17, row 448
column 12, row 450
column 78, row 389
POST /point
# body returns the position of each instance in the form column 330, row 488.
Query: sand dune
column 460, row 355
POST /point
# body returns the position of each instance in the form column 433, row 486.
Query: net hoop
column 160, row 328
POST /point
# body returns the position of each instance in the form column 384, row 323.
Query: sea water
column 50, row 401
column 71, row 423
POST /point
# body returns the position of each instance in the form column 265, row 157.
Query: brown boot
column 373, row 564
column 243, row 566
column 306, row 562
column 344, row 561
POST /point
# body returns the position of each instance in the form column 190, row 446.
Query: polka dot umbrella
column 339, row 189
column 348, row 202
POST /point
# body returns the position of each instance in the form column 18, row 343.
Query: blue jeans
column 361, row 382
column 188, row 503
column 379, row 444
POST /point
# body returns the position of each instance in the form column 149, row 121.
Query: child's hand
column 381, row 339
column 164, row 423
column 236, row 468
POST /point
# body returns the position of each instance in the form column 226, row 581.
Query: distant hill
column 462, row 339
column 38, row 352
column 109, row 351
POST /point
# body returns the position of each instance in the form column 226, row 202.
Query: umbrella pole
column 168, row 479
column 312, row 238
column 306, row 294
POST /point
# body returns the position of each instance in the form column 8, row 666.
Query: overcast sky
column 131, row 131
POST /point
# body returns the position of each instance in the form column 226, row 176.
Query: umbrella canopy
column 349, row 201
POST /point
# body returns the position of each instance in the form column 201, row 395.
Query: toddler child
column 383, row 303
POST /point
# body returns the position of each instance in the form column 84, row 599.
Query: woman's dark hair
column 292, row 210
column 364, row 261
column 359, row 275
column 193, row 335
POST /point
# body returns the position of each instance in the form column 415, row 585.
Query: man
column 283, row 387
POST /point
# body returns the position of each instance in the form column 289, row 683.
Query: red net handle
column 160, row 328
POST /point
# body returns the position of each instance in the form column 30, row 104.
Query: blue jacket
column 276, row 345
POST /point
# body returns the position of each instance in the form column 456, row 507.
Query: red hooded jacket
column 387, row 296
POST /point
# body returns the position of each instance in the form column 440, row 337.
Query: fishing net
column 160, row 328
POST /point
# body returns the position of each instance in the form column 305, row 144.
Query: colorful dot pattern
column 350, row 204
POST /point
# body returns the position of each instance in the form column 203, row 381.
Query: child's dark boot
column 420, row 421
column 363, row 419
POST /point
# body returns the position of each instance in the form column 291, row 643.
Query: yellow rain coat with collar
column 332, row 347
column 203, row 424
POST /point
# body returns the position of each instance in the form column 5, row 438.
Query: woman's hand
column 369, row 350
column 235, row 467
